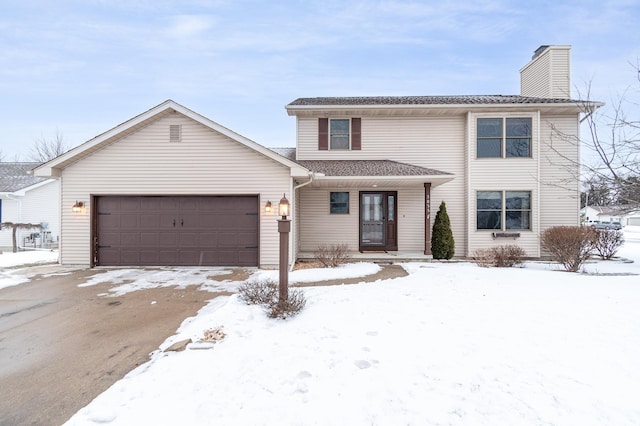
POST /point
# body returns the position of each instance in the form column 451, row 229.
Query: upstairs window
column 340, row 134
column 504, row 137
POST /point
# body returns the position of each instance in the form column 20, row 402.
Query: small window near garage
column 339, row 203
column 175, row 133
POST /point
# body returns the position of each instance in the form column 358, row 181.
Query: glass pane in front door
column 372, row 232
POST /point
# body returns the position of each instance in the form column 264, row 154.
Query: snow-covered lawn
column 448, row 344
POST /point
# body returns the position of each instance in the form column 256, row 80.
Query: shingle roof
column 428, row 100
column 14, row 177
column 356, row 168
column 367, row 168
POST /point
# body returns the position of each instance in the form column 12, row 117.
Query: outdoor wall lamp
column 283, row 207
column 77, row 207
column 267, row 207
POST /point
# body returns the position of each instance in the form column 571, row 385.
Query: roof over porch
column 367, row 173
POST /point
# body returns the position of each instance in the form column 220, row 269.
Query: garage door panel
column 151, row 221
column 149, row 257
column 188, row 240
column 130, row 257
column 129, row 204
column 149, row 239
column 129, row 221
column 110, row 239
column 130, row 239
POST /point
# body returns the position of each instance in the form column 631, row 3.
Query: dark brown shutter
column 355, row 134
column 323, row 134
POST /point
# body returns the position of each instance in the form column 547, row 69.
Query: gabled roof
column 427, row 100
column 17, row 176
column 54, row 167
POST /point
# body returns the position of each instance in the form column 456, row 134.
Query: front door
column 378, row 225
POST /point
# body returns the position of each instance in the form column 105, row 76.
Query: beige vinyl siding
column 204, row 162
column 536, row 78
column 436, row 142
column 42, row 204
column 319, row 227
column 548, row 75
column 559, row 187
column 560, row 74
column 411, row 220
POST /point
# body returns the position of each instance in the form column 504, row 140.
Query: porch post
column 427, row 218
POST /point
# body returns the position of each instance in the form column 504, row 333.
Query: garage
column 176, row 230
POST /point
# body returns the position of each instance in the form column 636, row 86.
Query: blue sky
column 81, row 67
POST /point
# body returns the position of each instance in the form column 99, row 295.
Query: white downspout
column 294, row 209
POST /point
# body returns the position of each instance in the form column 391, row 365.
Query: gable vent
column 175, row 133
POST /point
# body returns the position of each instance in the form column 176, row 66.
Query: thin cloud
column 186, row 26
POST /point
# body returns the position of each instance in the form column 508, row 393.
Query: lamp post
column 284, row 227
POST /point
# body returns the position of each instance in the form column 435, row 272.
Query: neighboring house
column 25, row 198
column 610, row 214
column 171, row 187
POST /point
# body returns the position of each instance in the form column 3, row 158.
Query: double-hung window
column 339, row 203
column 502, row 210
column 504, row 137
column 339, row 133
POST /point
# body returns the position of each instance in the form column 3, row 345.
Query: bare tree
column 44, row 149
column 611, row 145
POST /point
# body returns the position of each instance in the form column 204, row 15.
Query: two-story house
column 506, row 166
column 171, row 187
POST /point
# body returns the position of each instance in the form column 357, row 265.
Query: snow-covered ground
column 17, row 275
column 448, row 344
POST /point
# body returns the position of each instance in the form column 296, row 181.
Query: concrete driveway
column 62, row 345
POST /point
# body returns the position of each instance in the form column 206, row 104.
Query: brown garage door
column 175, row 230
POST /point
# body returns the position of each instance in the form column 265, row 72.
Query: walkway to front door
column 378, row 225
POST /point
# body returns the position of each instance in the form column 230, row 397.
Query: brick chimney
column 548, row 74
